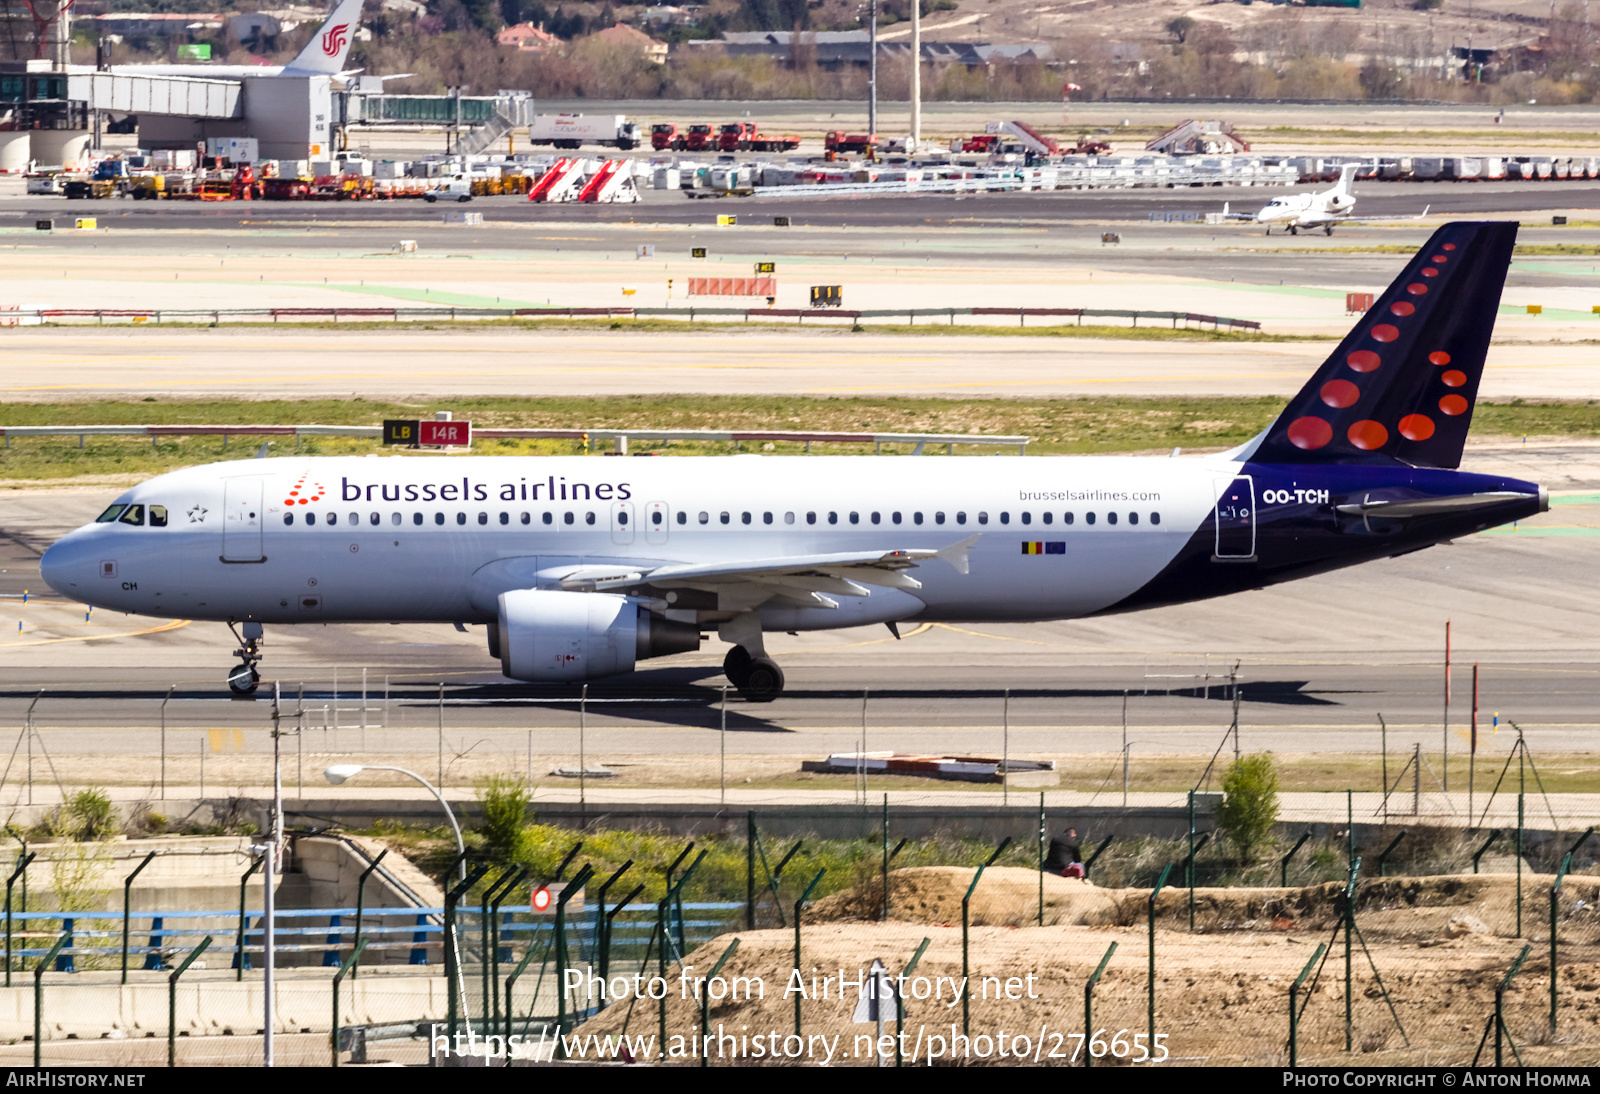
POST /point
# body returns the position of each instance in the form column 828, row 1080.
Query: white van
column 457, row 187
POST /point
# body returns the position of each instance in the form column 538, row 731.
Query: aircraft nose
column 67, row 565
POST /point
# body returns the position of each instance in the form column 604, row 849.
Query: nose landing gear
column 244, row 677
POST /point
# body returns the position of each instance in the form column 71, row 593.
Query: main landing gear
column 243, row 678
column 759, row 679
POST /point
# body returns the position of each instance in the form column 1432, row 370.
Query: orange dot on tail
column 1416, row 427
column 1453, row 405
column 1454, row 378
column 1385, row 332
column 1363, row 360
column 1368, row 434
column 1439, row 357
column 1309, row 433
column 1400, row 307
column 1340, row 393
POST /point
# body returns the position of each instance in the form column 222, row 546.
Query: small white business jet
column 1322, row 209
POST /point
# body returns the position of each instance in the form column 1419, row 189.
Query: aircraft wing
column 1228, row 214
column 1353, row 219
column 801, row 578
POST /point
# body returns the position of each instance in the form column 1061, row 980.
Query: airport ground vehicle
column 838, row 140
column 456, row 189
column 579, row 568
column 577, row 130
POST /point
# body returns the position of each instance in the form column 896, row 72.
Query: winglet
column 956, row 553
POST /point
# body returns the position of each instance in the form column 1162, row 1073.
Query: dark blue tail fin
column 1403, row 383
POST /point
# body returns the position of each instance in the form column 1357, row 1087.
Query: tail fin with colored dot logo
column 1402, row 384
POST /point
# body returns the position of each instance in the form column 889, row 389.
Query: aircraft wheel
column 763, row 681
column 1293, row 230
column 1327, row 230
column 736, row 666
column 242, row 680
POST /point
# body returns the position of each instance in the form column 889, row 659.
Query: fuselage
column 1308, row 210
column 438, row 539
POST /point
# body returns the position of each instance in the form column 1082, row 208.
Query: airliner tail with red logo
column 324, row 55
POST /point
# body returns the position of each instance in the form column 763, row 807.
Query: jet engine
column 557, row 636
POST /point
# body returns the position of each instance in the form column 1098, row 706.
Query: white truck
column 455, row 188
column 576, row 130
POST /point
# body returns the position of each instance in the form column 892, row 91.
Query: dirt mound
column 1007, row 896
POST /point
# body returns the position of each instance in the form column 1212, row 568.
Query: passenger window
column 983, row 518
column 483, row 518
column 527, row 518
column 505, row 518
column 133, row 514
column 355, row 520
column 705, row 517
column 788, row 518
column 876, row 519
column 1066, row 518
column 622, row 519
column 1027, row 518
column 833, row 518
column 158, row 516
column 1046, row 517
column 311, row 518
column 916, row 518
column 461, row 518
column 938, row 518
column 288, row 518
column 1005, row 518
column 855, row 518
column 394, row 518
column 548, row 518
column 655, row 518
column 568, row 518
column 1155, row 518
column 1088, row 518
column 416, row 518
column 372, row 519
column 724, row 517
column 1111, row 518
column 1133, row 518
column 333, row 518
column 683, row 518
column 744, row 517
column 766, row 518
column 438, row 518
column 110, row 514
column 811, row 518
column 895, row 517
column 588, row 518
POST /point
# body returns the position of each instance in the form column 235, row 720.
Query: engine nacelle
column 558, row 636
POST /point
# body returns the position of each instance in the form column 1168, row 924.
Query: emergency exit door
column 1236, row 519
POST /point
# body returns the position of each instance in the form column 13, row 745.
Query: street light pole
column 339, row 773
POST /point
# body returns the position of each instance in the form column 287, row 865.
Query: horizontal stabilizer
column 1401, row 508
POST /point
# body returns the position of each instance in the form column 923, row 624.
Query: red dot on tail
column 1416, row 288
column 1363, row 360
column 1400, row 307
column 1453, row 405
column 1385, row 332
column 1416, row 427
column 1429, row 271
column 1440, row 259
column 1439, row 357
column 1454, row 378
column 1368, row 434
column 1340, row 393
column 1309, row 433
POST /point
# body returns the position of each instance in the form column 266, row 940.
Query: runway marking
column 1156, row 379
column 173, row 625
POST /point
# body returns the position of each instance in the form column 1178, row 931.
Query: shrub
column 89, row 815
column 505, row 813
column 1250, row 803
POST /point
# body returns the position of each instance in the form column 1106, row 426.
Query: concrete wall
column 332, row 871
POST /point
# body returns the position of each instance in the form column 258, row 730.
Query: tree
column 1180, row 28
column 1250, row 803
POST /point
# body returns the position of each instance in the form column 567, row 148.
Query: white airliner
column 324, row 55
column 1322, row 209
column 581, row 567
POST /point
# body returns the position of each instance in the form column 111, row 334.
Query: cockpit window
column 110, row 514
column 158, row 516
column 134, row 514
